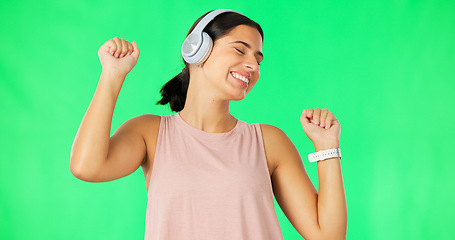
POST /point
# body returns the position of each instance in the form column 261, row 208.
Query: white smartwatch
column 324, row 154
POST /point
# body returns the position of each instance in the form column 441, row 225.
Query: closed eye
column 238, row 50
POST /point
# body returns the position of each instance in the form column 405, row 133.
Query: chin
column 239, row 97
column 237, row 94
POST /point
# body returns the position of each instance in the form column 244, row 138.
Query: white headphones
column 197, row 46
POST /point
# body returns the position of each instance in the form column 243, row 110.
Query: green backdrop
column 384, row 68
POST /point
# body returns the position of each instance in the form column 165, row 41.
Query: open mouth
column 241, row 79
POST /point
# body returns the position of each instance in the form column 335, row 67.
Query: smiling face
column 235, row 58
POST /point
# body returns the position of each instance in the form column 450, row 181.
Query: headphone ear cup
column 191, row 46
column 197, row 46
column 205, row 50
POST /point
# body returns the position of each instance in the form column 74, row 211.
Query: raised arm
column 95, row 156
column 314, row 215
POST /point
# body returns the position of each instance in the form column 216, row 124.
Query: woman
column 212, row 174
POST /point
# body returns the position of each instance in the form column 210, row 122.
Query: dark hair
column 174, row 92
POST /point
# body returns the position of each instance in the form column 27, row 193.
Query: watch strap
column 324, row 154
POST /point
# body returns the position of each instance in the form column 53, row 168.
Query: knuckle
column 124, row 46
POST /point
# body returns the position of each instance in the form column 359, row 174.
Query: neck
column 206, row 112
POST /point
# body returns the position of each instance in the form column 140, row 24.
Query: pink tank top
column 207, row 186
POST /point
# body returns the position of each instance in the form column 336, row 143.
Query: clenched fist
column 118, row 56
column 321, row 127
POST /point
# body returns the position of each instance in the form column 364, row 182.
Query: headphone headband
column 208, row 18
column 197, row 46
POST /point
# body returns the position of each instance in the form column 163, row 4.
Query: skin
column 210, row 111
column 315, row 215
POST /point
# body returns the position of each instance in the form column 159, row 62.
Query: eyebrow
column 248, row 46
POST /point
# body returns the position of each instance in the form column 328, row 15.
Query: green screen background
column 384, row 68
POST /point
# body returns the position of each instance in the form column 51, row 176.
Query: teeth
column 238, row 76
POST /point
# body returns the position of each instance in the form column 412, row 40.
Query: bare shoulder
column 137, row 126
column 147, row 118
column 274, row 135
column 145, row 122
column 277, row 144
column 148, row 125
column 271, row 131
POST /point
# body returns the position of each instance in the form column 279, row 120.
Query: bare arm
column 91, row 144
column 314, row 215
column 332, row 207
column 94, row 151
column 324, row 130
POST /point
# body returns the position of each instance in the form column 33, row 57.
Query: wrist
column 331, row 153
column 111, row 81
column 113, row 75
column 325, row 146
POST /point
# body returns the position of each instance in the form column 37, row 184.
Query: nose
column 251, row 63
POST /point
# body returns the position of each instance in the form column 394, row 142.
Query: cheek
column 257, row 75
column 256, row 81
column 253, row 83
column 212, row 67
column 216, row 65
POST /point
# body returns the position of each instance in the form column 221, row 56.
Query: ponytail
column 174, row 92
